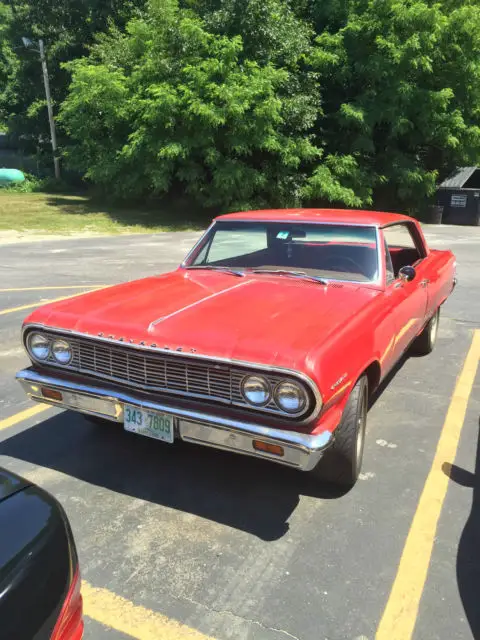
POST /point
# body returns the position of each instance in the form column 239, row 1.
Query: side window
column 401, row 247
column 389, row 265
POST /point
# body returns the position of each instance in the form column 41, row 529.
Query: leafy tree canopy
column 68, row 28
column 253, row 102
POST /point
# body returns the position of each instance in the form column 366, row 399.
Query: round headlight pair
column 40, row 347
column 289, row 396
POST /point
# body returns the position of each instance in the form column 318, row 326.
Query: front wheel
column 424, row 344
column 342, row 462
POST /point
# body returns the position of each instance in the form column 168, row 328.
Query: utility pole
column 53, row 134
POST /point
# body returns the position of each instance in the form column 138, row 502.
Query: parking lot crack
column 227, row 612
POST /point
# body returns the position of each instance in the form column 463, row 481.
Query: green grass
column 44, row 213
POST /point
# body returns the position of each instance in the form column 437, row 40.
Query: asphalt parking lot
column 189, row 543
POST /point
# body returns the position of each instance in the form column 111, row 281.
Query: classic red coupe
column 267, row 341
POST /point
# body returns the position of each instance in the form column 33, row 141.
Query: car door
column 407, row 299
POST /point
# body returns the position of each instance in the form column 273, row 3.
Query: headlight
column 256, row 390
column 62, row 351
column 38, row 346
column 291, row 397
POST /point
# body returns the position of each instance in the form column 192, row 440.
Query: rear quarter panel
column 441, row 273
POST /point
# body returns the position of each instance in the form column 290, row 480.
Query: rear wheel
column 342, row 462
column 425, row 342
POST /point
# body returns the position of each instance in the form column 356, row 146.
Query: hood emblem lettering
column 153, row 345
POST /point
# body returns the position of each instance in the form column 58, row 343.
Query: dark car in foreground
column 39, row 574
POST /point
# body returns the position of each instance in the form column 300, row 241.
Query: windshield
column 337, row 252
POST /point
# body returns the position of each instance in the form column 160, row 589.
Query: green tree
column 401, row 98
column 252, row 102
column 68, row 28
column 171, row 105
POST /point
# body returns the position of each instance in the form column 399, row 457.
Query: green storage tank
column 10, row 176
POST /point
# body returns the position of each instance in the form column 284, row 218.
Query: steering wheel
column 343, row 263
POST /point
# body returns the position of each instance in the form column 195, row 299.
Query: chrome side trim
column 305, row 450
column 318, row 401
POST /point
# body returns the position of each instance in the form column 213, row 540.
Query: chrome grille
column 169, row 373
column 155, row 371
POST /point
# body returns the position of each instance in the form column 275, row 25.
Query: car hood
column 267, row 319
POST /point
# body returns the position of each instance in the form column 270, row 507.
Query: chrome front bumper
column 300, row 450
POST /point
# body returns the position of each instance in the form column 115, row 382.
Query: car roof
column 343, row 216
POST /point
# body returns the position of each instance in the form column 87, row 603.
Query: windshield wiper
column 293, row 274
column 233, row 272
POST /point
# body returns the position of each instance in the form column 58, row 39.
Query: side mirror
column 407, row 274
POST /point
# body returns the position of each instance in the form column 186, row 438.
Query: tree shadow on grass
column 173, row 216
column 245, row 493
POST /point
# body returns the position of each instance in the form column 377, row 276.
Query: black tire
column 342, row 462
column 424, row 344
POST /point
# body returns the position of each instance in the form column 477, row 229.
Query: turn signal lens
column 52, row 394
column 266, row 447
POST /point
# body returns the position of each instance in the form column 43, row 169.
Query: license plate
column 148, row 423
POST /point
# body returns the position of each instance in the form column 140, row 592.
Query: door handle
column 424, row 282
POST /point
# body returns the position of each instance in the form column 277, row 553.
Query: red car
column 267, row 341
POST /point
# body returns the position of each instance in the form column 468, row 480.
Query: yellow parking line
column 74, row 286
column 23, row 415
column 133, row 620
column 42, row 302
column 400, row 614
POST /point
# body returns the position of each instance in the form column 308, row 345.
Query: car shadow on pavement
column 252, row 495
column 468, row 556
column 376, row 395
column 387, row 380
